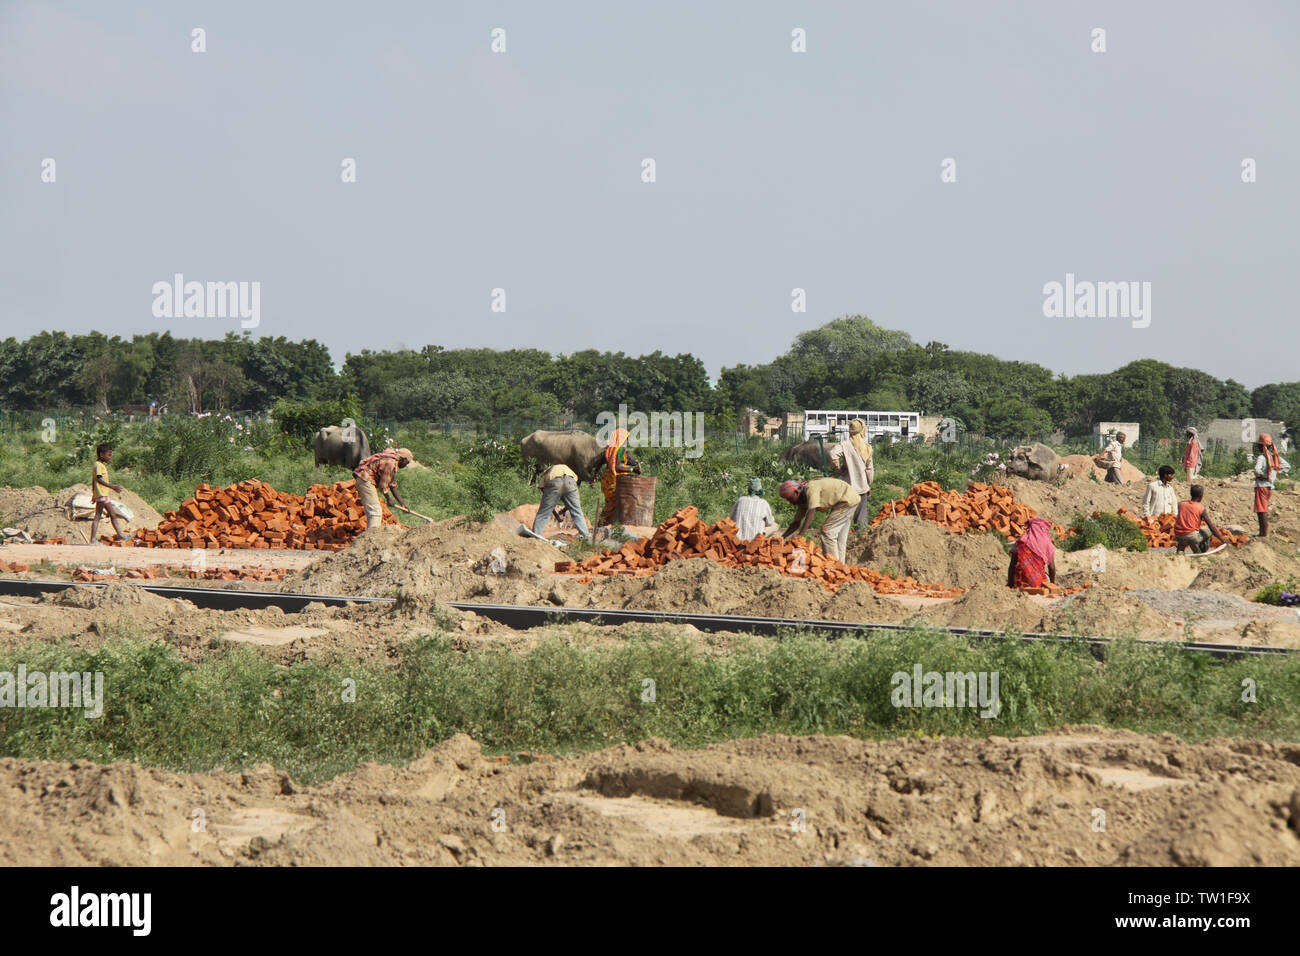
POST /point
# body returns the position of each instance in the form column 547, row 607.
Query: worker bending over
column 837, row 498
column 560, row 482
column 378, row 474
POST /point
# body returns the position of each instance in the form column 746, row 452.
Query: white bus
column 833, row 424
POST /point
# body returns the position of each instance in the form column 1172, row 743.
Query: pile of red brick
column 252, row 514
column 684, row 535
column 980, row 508
column 1159, row 531
column 14, row 567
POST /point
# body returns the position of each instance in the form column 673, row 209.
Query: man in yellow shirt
column 560, row 482
column 837, row 498
column 100, row 486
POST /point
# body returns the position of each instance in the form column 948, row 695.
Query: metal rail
column 523, row 617
column 225, row 599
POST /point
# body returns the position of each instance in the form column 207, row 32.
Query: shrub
column 1285, row 593
column 302, row 420
column 190, row 448
column 1114, row 532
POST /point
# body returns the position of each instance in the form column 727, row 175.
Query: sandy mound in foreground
column 43, row 514
column 950, row 802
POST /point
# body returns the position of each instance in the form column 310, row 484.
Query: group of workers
column 844, row 499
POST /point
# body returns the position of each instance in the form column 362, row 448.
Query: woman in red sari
column 1033, row 558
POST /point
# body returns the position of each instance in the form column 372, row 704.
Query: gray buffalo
column 573, row 447
column 334, row 447
column 1035, row 461
column 809, row 453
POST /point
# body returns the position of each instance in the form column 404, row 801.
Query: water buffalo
column 575, row 448
column 1035, row 461
column 809, row 453
column 335, row 445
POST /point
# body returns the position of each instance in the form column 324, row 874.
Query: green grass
column 237, row 709
column 1112, row 531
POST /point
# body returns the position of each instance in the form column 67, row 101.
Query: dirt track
column 958, row 801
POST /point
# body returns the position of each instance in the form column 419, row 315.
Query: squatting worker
column 837, row 498
column 560, row 482
column 616, row 464
column 1192, row 457
column 852, row 459
column 1161, row 499
column 377, row 474
column 1267, row 466
column 1112, row 456
column 1033, row 557
column 752, row 514
column 1187, row 529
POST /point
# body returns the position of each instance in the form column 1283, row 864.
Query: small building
column 1234, row 433
column 1102, row 432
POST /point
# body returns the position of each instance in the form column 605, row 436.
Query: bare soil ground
column 1083, row 796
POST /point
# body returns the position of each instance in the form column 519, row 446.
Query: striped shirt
column 380, row 469
column 752, row 515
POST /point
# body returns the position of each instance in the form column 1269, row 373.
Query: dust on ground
column 44, row 514
column 773, row 800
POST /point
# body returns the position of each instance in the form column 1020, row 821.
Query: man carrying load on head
column 377, row 474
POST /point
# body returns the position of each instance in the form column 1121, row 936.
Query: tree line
column 847, row 363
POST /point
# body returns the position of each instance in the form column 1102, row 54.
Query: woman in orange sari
column 617, row 462
column 1033, row 559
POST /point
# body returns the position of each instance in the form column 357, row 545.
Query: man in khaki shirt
column 837, row 498
column 560, row 482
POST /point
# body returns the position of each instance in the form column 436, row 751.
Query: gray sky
column 775, row 170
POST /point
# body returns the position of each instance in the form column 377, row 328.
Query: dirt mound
column 1246, row 569
column 955, row 801
column 1081, row 466
column 113, row 596
column 991, row 605
column 921, row 549
column 1060, row 502
column 43, row 514
column 1106, row 612
column 1139, row 569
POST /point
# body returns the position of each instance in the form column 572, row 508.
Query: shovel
column 417, row 515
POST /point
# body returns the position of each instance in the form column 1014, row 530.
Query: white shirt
column 1161, row 499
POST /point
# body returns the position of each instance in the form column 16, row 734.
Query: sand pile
column 453, row 560
column 955, row 801
column 993, row 606
column 921, row 549
column 43, row 514
column 1106, row 612
column 1080, row 466
column 1133, row 568
column 113, row 596
column 1246, row 569
column 1060, row 503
